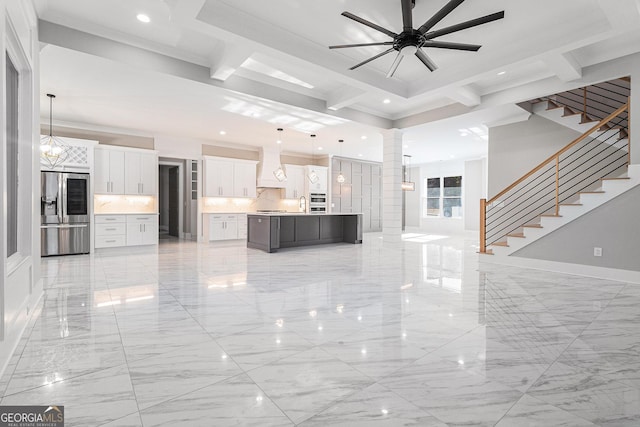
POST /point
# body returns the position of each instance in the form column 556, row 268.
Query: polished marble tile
column 374, row 406
column 531, row 412
column 218, row 334
column 160, row 378
column 92, row 399
column 304, row 384
column 600, row 400
column 237, row 401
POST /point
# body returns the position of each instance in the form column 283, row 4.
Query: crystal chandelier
column 53, row 150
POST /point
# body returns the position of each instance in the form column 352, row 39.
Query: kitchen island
column 272, row 231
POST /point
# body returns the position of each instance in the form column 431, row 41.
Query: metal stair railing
column 603, row 151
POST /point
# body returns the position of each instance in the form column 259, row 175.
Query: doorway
column 170, row 199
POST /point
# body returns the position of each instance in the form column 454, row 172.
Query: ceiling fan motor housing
column 409, row 38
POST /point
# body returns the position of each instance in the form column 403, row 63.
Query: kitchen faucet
column 303, row 204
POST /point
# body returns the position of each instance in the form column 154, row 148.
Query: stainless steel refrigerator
column 64, row 213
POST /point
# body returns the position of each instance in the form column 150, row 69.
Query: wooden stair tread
column 569, row 112
column 487, row 252
column 570, row 204
column 532, row 226
column 591, row 192
column 520, row 235
column 614, row 179
column 551, row 216
column 552, row 105
column 503, row 244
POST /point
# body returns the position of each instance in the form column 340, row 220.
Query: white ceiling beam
column 227, row 59
column 344, row 97
column 564, row 65
column 466, row 96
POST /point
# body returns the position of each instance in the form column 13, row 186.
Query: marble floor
column 414, row 334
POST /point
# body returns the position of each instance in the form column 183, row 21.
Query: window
column 432, row 206
column 443, row 197
column 12, row 157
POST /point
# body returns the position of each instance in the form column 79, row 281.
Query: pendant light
column 312, row 176
column 407, row 184
column 53, row 151
column 279, row 173
column 340, row 177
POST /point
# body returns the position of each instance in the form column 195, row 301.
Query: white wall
column 474, row 188
column 517, row 148
column 20, row 284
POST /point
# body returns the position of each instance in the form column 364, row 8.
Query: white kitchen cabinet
column 229, row 178
column 140, row 173
column 110, row 231
column 294, row 185
column 244, row 179
column 108, row 171
column 227, row 226
column 142, row 230
column 218, row 178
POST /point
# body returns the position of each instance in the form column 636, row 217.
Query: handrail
column 561, row 151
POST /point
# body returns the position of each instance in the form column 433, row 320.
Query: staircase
column 585, row 174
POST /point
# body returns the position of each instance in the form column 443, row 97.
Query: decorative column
column 392, row 186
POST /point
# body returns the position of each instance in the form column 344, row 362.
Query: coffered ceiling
column 246, row 67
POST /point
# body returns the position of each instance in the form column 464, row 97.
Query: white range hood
column 269, row 163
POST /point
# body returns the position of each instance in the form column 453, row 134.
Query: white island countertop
column 302, row 213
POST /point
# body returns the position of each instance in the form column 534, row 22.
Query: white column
column 392, row 186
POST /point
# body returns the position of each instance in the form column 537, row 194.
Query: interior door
column 174, row 202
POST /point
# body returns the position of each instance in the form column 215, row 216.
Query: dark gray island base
column 271, row 232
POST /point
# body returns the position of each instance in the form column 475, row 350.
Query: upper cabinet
column 125, row 172
column 244, row 179
column 225, row 177
column 108, row 171
column 294, row 185
column 140, row 173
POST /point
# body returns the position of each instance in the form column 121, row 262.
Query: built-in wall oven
column 64, row 213
column 317, row 203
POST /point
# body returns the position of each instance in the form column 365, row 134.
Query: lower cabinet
column 125, row 230
column 142, row 230
column 227, row 226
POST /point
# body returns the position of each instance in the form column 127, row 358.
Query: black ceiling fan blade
column 447, row 9
column 369, row 24
column 465, row 25
column 407, row 15
column 426, row 60
column 454, row 46
column 342, row 46
column 395, row 65
column 372, row 58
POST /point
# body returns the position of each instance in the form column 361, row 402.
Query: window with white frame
column 12, row 96
column 443, row 197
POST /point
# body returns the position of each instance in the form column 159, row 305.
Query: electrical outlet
column 597, row 251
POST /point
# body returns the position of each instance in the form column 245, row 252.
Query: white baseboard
column 627, row 276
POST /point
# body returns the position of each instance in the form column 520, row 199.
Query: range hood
column 269, row 163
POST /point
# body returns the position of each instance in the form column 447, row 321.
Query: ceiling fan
column 411, row 41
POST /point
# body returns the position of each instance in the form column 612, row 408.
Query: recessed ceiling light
column 319, row 148
column 363, row 137
column 502, row 73
column 405, row 146
column 386, row 101
column 452, row 157
column 360, row 155
column 223, row 132
column 279, row 141
column 143, row 18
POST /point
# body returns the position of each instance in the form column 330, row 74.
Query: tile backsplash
column 268, row 199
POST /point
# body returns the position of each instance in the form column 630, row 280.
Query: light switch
column 597, row 251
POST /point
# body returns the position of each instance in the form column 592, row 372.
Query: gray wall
column 613, row 227
column 361, row 191
column 517, row 148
